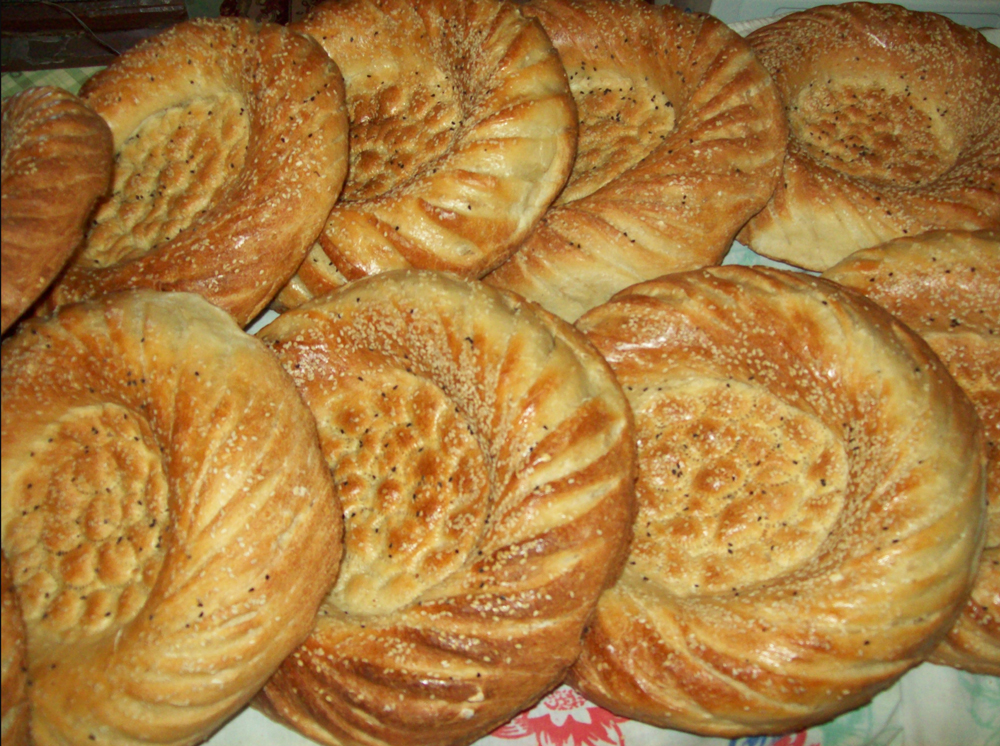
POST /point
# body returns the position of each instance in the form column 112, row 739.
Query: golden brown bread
column 946, row 286
column 681, row 141
column 484, row 455
column 463, row 131
column 230, row 150
column 13, row 666
column 893, row 130
column 169, row 521
column 810, row 498
column 56, row 158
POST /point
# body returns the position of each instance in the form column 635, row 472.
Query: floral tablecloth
column 929, row 706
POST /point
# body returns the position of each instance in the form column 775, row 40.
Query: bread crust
column 810, row 497
column 681, row 141
column 484, row 454
column 945, row 285
column 463, row 131
column 56, row 158
column 169, row 521
column 14, row 669
column 230, row 150
column 893, row 130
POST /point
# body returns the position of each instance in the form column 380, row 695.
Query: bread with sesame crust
column 484, row 456
column 945, row 285
column 56, row 165
column 892, row 130
column 169, row 522
column 230, row 150
column 810, row 499
column 463, row 131
column 681, row 141
column 14, row 669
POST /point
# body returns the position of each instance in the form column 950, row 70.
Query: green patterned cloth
column 70, row 78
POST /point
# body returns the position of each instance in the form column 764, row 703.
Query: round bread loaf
column 169, row 521
column 681, row 141
column 56, row 157
column 484, row 456
column 893, row 130
column 13, row 666
column 230, row 150
column 463, row 131
column 945, row 285
column 810, row 499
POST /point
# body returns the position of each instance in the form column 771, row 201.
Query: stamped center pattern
column 398, row 127
column 625, row 122
column 167, row 174
column 735, row 486
column 413, row 483
column 85, row 540
column 892, row 137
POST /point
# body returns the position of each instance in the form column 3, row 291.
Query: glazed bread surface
column 681, row 141
column 230, row 151
column 169, row 522
column 945, row 285
column 892, row 130
column 484, row 454
column 56, row 164
column 811, row 503
column 463, row 131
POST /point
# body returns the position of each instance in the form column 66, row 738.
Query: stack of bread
column 503, row 423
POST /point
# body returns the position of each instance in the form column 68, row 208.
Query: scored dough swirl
column 230, row 150
column 681, row 141
column 892, row 130
column 13, row 672
column 169, row 522
column 484, row 455
column 810, row 498
column 463, row 131
column 945, row 285
column 56, row 157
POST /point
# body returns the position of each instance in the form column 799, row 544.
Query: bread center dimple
column 84, row 542
column 413, row 484
column 892, row 135
column 403, row 117
column 622, row 121
column 167, row 173
column 735, row 486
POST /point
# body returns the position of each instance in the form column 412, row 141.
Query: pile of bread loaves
column 505, row 422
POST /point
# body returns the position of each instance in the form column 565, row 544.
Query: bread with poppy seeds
column 681, row 141
column 810, row 494
column 57, row 155
column 230, row 150
column 169, row 522
column 892, row 130
column 945, row 285
column 484, row 456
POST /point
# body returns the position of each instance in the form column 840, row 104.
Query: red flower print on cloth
column 564, row 718
column 796, row 739
column 793, row 739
